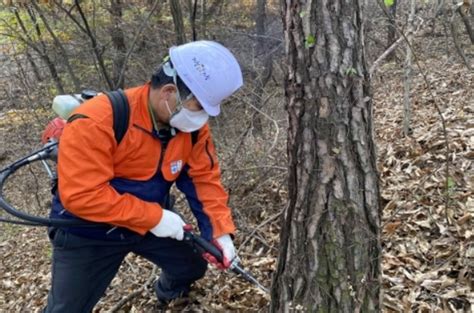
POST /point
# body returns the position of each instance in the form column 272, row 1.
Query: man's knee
column 200, row 269
column 176, row 283
column 191, row 272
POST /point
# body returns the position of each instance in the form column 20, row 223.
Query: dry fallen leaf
column 390, row 228
column 463, row 219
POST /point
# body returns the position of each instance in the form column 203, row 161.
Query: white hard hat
column 209, row 70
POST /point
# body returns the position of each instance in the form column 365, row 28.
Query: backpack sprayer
column 63, row 105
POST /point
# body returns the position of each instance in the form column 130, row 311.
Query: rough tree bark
column 330, row 250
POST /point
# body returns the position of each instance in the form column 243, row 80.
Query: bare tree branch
column 387, row 52
column 95, row 46
column 130, row 49
column 86, row 30
column 42, row 51
column 59, row 45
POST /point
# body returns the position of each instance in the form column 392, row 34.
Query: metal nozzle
column 235, row 267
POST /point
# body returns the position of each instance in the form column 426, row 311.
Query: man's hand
column 170, row 225
column 225, row 244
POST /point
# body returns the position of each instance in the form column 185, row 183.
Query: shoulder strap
column 74, row 117
column 121, row 111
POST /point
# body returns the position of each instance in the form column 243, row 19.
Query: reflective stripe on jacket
column 119, row 185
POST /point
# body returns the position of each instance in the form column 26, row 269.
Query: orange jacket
column 89, row 159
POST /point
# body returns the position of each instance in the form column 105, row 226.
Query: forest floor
column 428, row 246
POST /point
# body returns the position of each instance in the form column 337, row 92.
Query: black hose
column 37, row 155
column 6, row 220
column 33, row 220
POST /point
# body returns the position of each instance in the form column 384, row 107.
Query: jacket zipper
column 162, row 148
column 209, row 154
column 162, row 155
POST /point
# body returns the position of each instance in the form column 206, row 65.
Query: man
column 122, row 188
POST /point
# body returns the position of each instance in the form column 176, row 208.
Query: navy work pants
column 82, row 268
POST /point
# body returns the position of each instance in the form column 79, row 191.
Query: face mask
column 188, row 121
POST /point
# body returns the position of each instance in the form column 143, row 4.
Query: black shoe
column 162, row 304
column 172, row 305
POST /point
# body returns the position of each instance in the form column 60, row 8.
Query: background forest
column 57, row 47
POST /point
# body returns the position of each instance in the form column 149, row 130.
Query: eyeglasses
column 170, row 71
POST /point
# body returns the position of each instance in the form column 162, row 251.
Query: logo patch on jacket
column 176, row 166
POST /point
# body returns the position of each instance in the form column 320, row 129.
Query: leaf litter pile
column 428, row 251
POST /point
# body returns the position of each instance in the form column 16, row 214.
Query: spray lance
column 202, row 246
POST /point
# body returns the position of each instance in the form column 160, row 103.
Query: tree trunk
column 260, row 19
column 457, row 44
column 204, row 17
column 330, row 251
column 33, row 65
column 118, row 40
column 178, row 21
column 467, row 24
column 408, row 72
column 391, row 28
column 192, row 17
column 261, row 77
